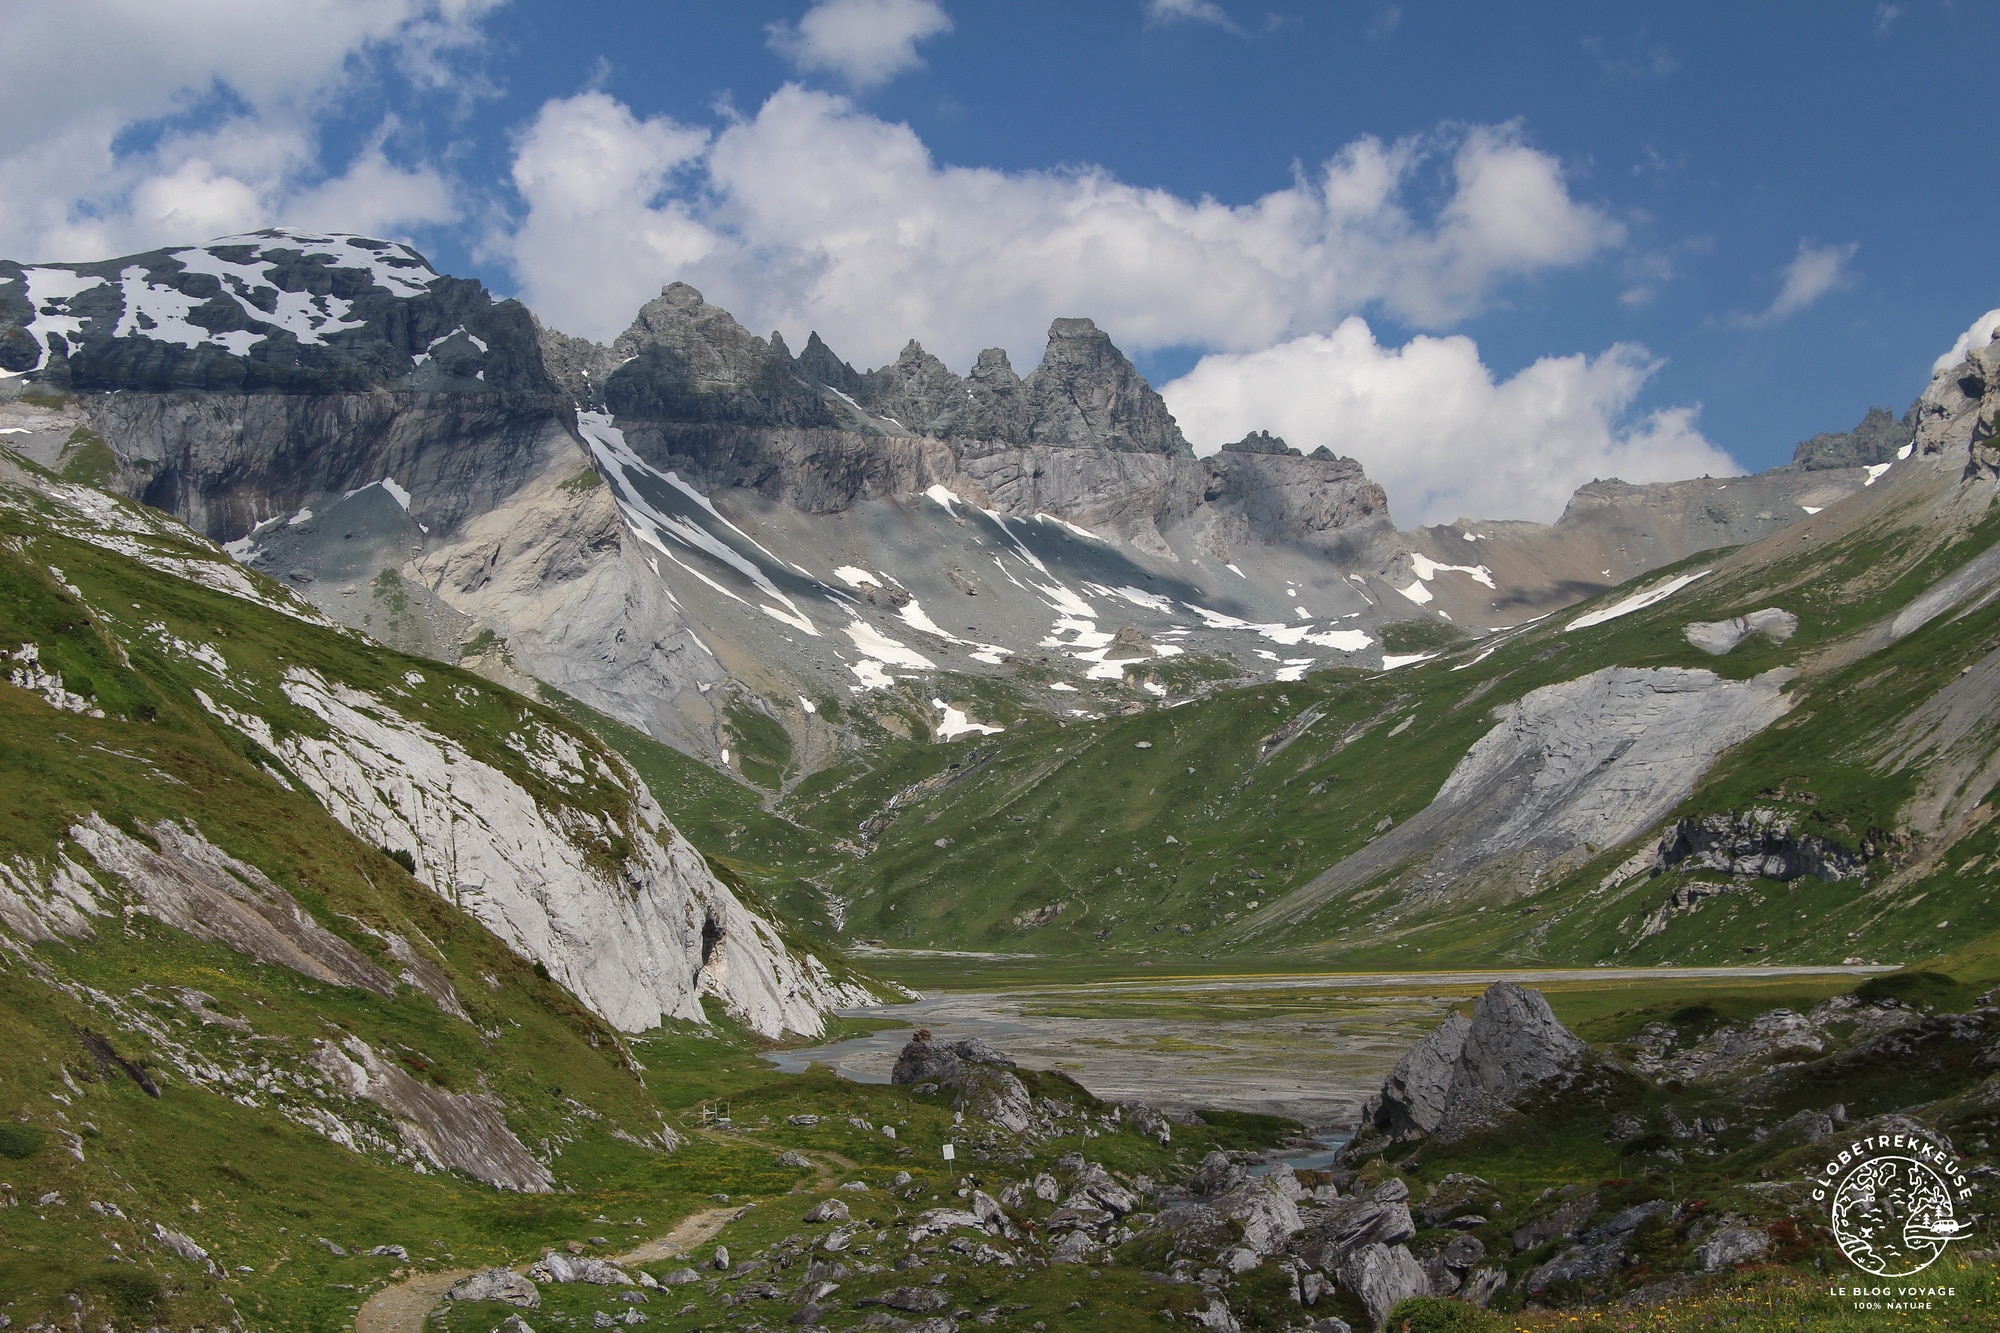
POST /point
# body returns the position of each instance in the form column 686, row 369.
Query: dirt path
column 677, row 1244
column 404, row 1307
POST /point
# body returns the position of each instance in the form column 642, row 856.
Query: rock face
column 190, row 884
column 1758, row 843
column 637, row 944
column 1587, row 763
column 555, row 573
column 1470, row 1075
column 1086, row 393
column 1416, row 1093
column 452, row 1131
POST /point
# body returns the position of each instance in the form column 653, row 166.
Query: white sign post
column 950, row 1152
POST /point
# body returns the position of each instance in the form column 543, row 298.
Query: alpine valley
column 445, row 757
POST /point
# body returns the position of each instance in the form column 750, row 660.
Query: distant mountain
column 775, row 533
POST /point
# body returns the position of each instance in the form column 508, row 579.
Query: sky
column 1492, row 251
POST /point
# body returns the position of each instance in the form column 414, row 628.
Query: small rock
column 833, row 1210
column 513, row 1323
column 680, row 1277
column 916, row 1300
column 722, row 1257
column 338, row 1251
column 796, row 1160
column 391, row 1252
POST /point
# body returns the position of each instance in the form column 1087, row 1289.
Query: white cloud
column 1188, row 11
column 1978, row 335
column 1813, row 272
column 223, row 96
column 815, row 215
column 1431, row 423
column 866, row 42
column 595, row 241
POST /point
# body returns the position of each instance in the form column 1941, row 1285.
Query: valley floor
column 1310, row 1047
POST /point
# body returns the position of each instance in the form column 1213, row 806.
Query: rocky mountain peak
column 993, row 367
column 1263, row 442
column 683, row 359
column 714, row 347
column 818, row 363
column 1876, row 440
column 273, row 311
column 1087, row 394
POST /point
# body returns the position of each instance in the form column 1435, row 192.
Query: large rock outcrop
column 1587, row 763
column 1470, row 1075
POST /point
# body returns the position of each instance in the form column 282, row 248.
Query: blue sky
column 1493, row 251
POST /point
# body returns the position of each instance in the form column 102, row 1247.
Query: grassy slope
column 265, row 1187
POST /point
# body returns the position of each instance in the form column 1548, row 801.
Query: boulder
column 1482, row 1285
column 1447, row 1265
column 937, row 1221
column 1579, row 1263
column 1268, row 1218
column 924, row 1059
column 1514, row 1046
column 1381, row 1275
column 1096, row 1183
column 497, row 1284
column 1217, row 1174
column 1456, row 1196
column 1468, row 1074
column 832, row 1210
column 1076, row 1247
column 558, row 1267
column 1413, row 1097
column 1379, row 1218
column 1145, row 1120
column 1731, row 1246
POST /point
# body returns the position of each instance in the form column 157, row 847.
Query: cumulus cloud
column 812, row 214
column 866, row 42
column 130, row 124
column 1438, row 430
column 1982, row 332
column 1813, row 272
column 596, row 239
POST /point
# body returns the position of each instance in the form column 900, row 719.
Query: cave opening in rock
column 711, row 939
